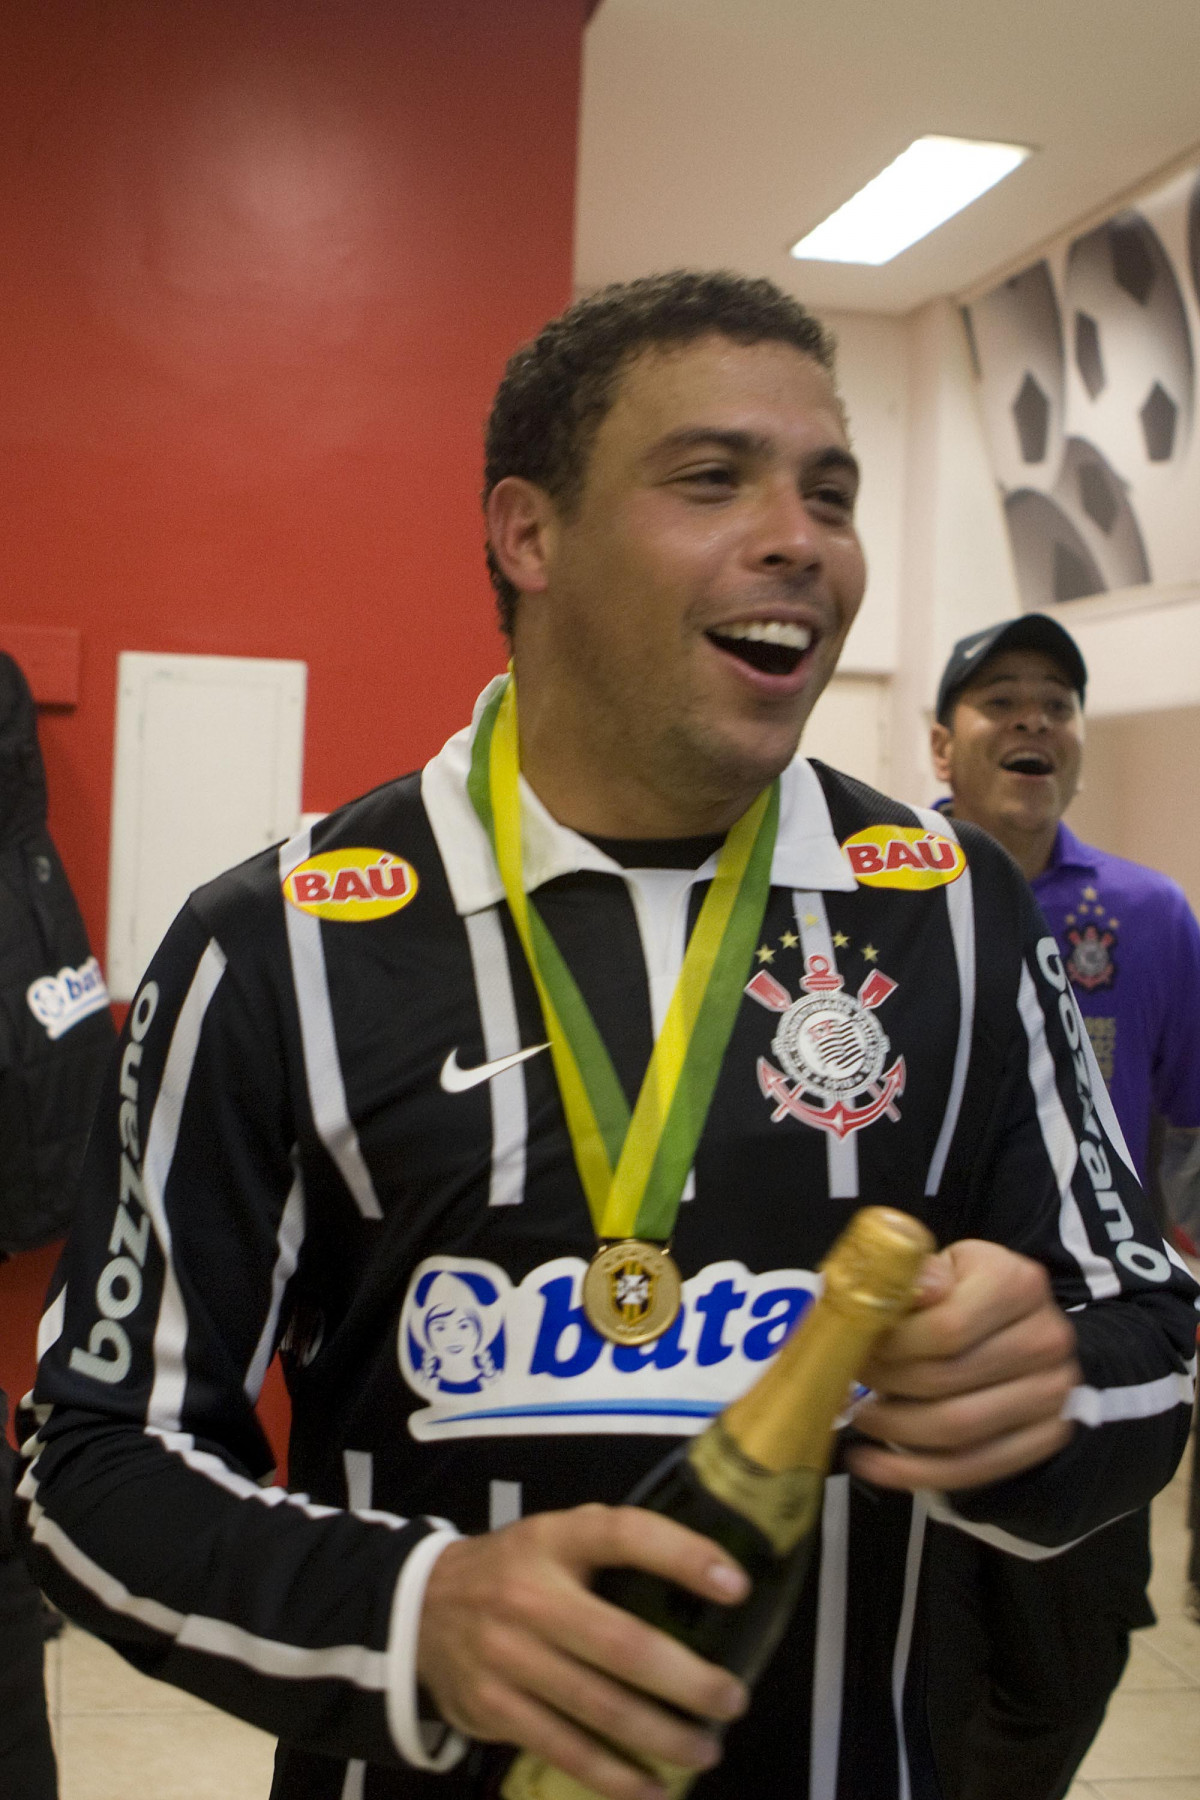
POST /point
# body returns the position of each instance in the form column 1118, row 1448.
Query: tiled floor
column 1149, row 1744
column 123, row 1737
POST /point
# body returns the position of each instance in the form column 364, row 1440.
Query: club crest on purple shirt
column 1090, row 964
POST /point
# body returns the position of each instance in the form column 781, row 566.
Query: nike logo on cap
column 974, row 650
column 455, row 1080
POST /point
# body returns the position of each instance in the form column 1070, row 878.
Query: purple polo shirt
column 1131, row 946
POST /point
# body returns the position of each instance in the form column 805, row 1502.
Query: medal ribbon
column 632, row 1168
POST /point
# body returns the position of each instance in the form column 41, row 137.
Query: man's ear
column 940, row 739
column 520, row 520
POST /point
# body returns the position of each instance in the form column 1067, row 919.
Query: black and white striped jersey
column 333, row 1127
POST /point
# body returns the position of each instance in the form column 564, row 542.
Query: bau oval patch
column 352, row 885
column 903, row 856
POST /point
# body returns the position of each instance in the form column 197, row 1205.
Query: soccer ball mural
column 1016, row 335
column 1087, row 381
column 1131, row 346
column 1052, row 561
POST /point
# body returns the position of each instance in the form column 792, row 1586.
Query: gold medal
column 632, row 1165
column 632, row 1291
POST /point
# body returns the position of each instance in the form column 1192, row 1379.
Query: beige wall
column 873, row 378
column 930, row 517
column 1141, row 646
column 1141, row 794
column 851, row 728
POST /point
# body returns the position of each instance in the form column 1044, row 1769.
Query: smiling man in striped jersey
column 501, row 1299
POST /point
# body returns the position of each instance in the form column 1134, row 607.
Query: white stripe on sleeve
column 216, row 1470
column 424, row 1746
column 1101, row 1098
column 940, row 1509
column 367, row 1669
column 1141, row 1400
column 289, row 1239
column 50, row 1325
column 322, row 1067
column 1101, row 1278
column 165, row 1406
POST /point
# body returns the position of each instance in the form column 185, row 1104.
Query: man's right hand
column 515, row 1648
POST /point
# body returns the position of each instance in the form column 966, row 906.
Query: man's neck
column 1030, row 850
column 589, row 784
column 629, row 809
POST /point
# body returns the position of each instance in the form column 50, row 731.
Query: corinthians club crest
column 832, row 1049
column 1091, row 964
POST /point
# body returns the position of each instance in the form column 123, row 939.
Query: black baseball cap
column 1032, row 631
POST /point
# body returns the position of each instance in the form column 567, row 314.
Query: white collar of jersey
column 807, row 854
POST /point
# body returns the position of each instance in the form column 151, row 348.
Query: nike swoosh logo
column 973, row 651
column 455, row 1080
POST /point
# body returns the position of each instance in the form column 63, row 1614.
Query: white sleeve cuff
column 423, row 1744
column 941, row 1508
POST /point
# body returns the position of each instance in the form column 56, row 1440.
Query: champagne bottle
column 753, row 1480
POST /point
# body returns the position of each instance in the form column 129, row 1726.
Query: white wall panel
column 1139, row 796
column 207, row 771
column 957, row 569
column 872, row 367
column 850, row 728
column 1141, row 646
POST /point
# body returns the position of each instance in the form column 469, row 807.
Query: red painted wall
column 261, row 263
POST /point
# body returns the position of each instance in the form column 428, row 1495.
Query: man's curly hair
column 557, row 389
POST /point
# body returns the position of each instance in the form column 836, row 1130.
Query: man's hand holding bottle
column 515, row 1646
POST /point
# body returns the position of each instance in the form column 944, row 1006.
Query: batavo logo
column 903, row 856
column 351, row 885
column 494, row 1359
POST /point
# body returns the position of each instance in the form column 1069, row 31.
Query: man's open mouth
column 772, row 646
column 1028, row 762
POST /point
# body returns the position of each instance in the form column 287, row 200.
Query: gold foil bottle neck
column 786, row 1419
column 875, row 1262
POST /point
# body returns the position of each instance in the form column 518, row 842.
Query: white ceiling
column 717, row 132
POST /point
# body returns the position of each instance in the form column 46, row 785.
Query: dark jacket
column 56, row 1031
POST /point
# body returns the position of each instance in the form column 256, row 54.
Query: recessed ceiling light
column 926, row 185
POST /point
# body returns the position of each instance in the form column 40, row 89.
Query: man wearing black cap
column 1031, row 1651
column 1009, row 733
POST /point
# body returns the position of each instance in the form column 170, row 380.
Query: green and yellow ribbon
column 633, row 1168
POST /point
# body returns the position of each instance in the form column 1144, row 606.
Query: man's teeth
column 770, row 631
